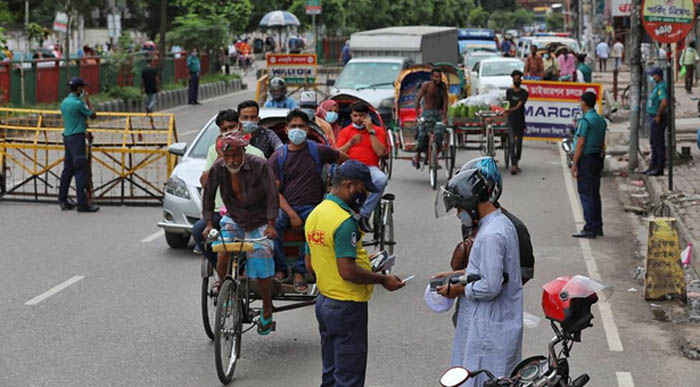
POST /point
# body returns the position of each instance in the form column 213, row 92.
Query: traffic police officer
column 656, row 107
column 343, row 275
column 588, row 164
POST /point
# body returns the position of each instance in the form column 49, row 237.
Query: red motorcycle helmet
column 567, row 300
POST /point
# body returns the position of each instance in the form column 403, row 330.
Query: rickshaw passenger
column 278, row 95
column 434, row 110
column 252, row 203
column 327, row 118
column 366, row 143
column 297, row 167
column 260, row 137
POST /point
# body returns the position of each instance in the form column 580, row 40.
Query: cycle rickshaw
column 407, row 86
column 487, row 125
column 456, row 82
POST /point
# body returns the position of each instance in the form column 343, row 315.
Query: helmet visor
column 445, row 202
column 581, row 287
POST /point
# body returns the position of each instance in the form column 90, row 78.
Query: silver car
column 182, row 204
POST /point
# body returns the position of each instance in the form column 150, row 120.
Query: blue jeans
column 282, row 224
column 193, row 90
column 197, row 230
column 343, row 329
column 151, row 101
column 589, row 168
column 380, row 180
column 74, row 164
column 657, row 140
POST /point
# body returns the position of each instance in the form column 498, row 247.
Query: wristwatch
column 372, row 132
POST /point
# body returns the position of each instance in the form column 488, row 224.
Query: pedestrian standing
column 602, row 50
column 618, row 54
column 689, row 57
column 588, row 165
column 567, row 64
column 551, row 65
column 75, row 109
column 150, row 83
column 517, row 97
column 344, row 276
column 345, row 55
column 584, row 73
column 656, row 107
column 193, row 66
column 534, row 66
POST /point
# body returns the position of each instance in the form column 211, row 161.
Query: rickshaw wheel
column 227, row 331
column 208, row 305
column 433, row 166
column 506, row 150
column 386, row 241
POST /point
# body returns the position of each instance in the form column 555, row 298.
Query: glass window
column 365, row 75
column 495, row 69
column 204, row 142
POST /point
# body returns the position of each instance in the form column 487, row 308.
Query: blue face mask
column 297, row 136
column 331, row 117
column 358, row 126
column 249, row 126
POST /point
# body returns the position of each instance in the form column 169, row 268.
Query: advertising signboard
column 295, row 69
column 668, row 21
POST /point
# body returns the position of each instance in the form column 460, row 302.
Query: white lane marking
column 624, row 379
column 190, row 132
column 54, row 290
column 153, row 236
column 611, row 333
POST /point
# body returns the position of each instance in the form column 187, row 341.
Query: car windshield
column 205, row 141
column 362, row 75
column 495, row 69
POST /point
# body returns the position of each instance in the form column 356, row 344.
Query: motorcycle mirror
column 454, row 376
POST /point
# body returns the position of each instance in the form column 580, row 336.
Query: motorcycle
column 567, row 144
column 566, row 302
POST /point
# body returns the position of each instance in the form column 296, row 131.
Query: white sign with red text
column 295, row 69
column 620, row 8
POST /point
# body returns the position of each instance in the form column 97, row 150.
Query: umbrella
column 279, row 19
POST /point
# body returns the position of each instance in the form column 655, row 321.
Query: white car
column 182, row 203
column 494, row 73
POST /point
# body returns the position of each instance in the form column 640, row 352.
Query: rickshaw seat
column 407, row 115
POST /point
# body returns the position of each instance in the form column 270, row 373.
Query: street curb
column 167, row 99
column 656, row 192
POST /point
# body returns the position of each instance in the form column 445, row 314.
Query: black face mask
column 357, row 200
column 516, row 83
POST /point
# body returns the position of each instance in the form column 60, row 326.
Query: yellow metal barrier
column 129, row 158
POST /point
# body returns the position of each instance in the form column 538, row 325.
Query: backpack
column 282, row 158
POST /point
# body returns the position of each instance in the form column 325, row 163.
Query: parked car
column 494, row 73
column 182, row 203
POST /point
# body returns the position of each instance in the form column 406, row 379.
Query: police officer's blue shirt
column 74, row 112
column 286, row 103
column 193, row 64
column 657, row 95
column 592, row 126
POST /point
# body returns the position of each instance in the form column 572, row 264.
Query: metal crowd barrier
column 128, row 158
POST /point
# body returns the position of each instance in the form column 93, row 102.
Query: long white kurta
column 490, row 322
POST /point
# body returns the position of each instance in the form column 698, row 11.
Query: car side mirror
column 330, row 82
column 178, row 148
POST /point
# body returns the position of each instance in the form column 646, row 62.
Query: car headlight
column 177, row 187
column 387, row 103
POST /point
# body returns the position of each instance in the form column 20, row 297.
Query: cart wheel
column 208, row 305
column 433, row 166
column 490, row 143
column 505, row 140
column 227, row 331
column 386, row 241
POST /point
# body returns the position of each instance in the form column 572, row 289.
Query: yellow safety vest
column 320, row 229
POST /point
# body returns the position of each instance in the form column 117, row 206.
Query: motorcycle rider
column 278, row 96
column 490, row 321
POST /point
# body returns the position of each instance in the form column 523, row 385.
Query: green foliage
column 234, row 13
column 201, row 32
column 126, row 94
column 555, row 22
column 333, row 15
column 36, row 32
column 501, row 21
column 6, row 17
column 454, row 13
column 3, row 41
column 491, row 6
column 478, row 17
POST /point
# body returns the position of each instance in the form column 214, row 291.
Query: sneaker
column 197, row 250
column 88, row 208
column 67, row 205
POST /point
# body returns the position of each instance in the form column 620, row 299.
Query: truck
column 378, row 56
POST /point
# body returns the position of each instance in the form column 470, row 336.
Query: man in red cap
column 250, row 194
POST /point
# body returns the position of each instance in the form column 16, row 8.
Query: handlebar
column 214, row 234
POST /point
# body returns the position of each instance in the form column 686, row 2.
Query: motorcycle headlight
column 387, row 103
column 177, row 187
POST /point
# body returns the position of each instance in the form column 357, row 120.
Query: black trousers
column 193, row 91
column 516, row 143
column 590, row 167
column 657, row 140
column 689, row 73
column 74, row 164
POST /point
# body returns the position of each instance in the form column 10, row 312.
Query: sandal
column 280, row 276
column 265, row 326
column 300, row 285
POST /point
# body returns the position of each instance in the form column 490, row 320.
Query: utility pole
column 635, row 82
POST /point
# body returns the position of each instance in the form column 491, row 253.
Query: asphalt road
column 130, row 313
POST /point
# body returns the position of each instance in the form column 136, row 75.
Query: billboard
column 295, row 69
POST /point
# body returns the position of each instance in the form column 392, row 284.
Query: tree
column 454, row 13
column 235, row 13
column 333, row 16
column 491, row 6
column 554, row 21
column 37, row 33
column 522, row 17
column 194, row 31
column 478, row 17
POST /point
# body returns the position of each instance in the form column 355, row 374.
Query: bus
column 476, row 39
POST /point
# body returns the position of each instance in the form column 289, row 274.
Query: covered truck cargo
column 420, row 44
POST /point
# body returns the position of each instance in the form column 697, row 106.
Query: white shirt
column 618, row 48
column 602, row 50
